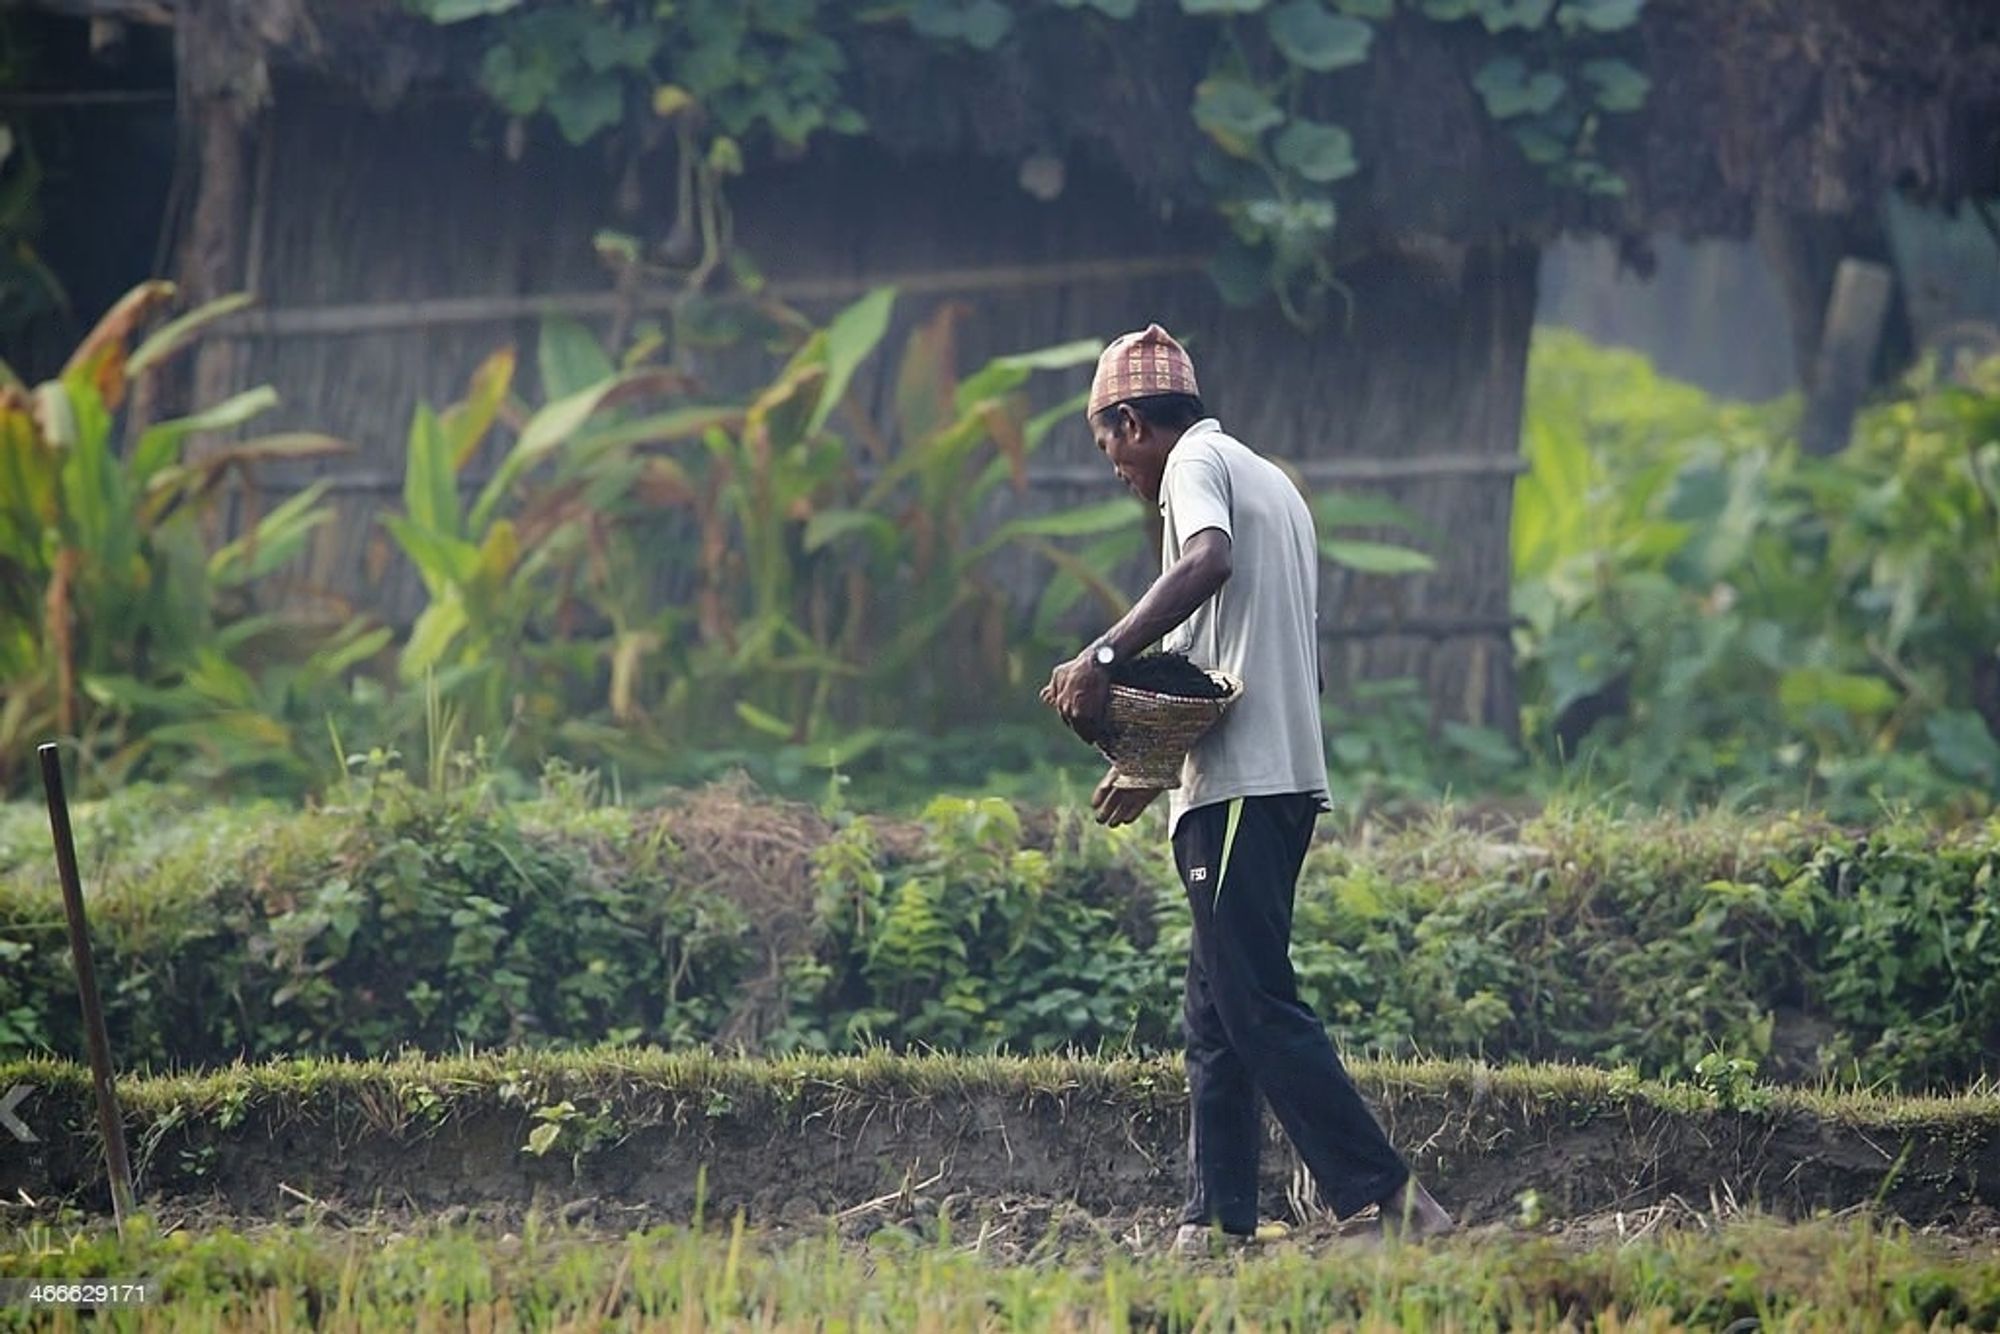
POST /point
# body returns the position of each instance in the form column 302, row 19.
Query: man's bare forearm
column 1203, row 568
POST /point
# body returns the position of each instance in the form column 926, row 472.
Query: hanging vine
column 725, row 71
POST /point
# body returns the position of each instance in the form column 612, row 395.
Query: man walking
column 1239, row 591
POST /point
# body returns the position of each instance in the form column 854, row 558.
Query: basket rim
column 1232, row 684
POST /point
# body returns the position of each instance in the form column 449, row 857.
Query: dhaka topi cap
column 1140, row 365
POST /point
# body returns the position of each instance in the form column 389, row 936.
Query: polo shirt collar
column 1202, row 427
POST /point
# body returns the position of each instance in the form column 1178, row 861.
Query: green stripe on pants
column 1228, row 842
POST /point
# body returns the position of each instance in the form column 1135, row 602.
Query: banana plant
column 107, row 589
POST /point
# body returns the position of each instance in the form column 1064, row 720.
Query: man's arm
column 1200, row 573
column 1080, row 688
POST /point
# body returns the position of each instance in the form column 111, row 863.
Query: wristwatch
column 1104, row 655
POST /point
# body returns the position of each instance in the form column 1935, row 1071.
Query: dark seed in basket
column 1166, row 674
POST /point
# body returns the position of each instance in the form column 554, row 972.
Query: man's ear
column 1129, row 425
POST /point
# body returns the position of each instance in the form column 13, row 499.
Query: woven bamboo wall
column 1418, row 396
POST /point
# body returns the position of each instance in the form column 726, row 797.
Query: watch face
column 1105, row 655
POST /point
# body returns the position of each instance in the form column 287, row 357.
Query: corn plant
column 113, row 611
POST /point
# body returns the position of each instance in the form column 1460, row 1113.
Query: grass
column 1812, row 1277
column 760, row 1084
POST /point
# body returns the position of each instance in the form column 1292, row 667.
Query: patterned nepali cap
column 1139, row 365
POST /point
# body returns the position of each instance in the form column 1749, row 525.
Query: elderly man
column 1238, row 591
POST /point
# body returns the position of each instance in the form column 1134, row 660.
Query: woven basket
column 1148, row 734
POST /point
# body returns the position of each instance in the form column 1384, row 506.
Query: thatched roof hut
column 345, row 169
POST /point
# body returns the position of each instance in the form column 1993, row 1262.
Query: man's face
column 1124, row 443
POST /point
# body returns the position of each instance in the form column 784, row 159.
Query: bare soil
column 1021, row 1161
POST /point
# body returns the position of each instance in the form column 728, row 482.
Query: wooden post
column 109, row 1120
column 212, row 262
column 1853, row 332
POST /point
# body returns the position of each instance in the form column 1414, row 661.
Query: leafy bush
column 120, row 628
column 736, row 578
column 1710, row 613
column 395, row 916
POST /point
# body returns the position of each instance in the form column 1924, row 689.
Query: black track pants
column 1249, row 1033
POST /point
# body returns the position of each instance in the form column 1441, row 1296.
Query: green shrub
column 1709, row 614
column 394, row 917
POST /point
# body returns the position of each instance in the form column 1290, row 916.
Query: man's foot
column 1197, row 1240
column 1411, row 1214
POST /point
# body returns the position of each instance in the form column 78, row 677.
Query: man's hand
column 1120, row 805
column 1080, row 691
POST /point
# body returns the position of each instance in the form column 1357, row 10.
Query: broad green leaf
column 275, row 540
column 1080, row 572
column 585, row 106
column 1509, row 89
column 1042, row 423
column 1539, row 146
column 980, row 24
column 1221, row 6
column 1057, row 357
column 172, row 336
column 993, row 381
column 768, row 723
column 1501, row 15
column 986, row 24
column 354, row 644
column 1342, row 509
column 430, row 487
column 1615, row 85
column 1599, row 15
column 1450, row 10
column 437, row 627
column 1081, row 521
column 1805, row 688
column 1235, row 114
column 546, row 431
column 847, row 747
column 160, row 444
column 1367, row 9
column 443, row 562
column 1963, row 745
column 1482, row 743
column 466, row 423
column 1312, row 37
column 498, row 554
column 674, row 424
column 832, row 525
column 852, row 336
column 570, row 358
column 1320, row 153
column 1375, row 557
column 457, row 11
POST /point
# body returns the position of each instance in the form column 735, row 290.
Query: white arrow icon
column 14, row 1124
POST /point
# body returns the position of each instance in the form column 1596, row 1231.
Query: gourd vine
column 726, row 73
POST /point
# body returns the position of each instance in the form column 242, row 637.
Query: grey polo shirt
column 1261, row 626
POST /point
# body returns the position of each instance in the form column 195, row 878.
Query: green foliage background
column 1548, row 71
column 392, row 917
column 1753, row 621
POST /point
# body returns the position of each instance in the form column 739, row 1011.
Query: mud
column 636, row 1153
